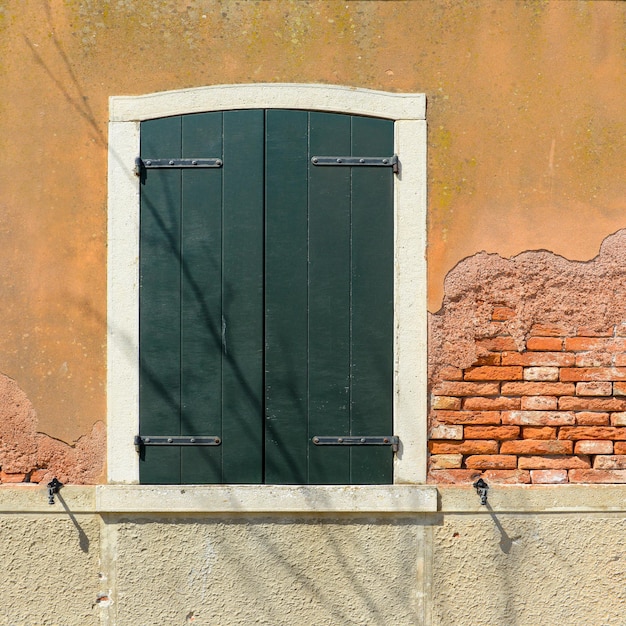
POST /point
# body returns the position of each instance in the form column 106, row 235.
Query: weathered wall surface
column 533, row 555
column 528, row 369
column 529, row 569
column 526, row 125
column 268, row 571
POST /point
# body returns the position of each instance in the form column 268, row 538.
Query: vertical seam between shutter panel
column 181, row 260
column 350, row 302
column 263, row 398
column 221, row 315
column 308, row 307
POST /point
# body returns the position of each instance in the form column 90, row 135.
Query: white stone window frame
column 408, row 112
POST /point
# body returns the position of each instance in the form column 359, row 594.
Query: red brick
column 38, row 475
column 542, row 359
column 620, row 329
column 569, row 403
column 592, row 373
column 537, row 389
column 548, row 477
column 502, row 313
column 592, row 432
column 554, row 462
column 595, row 388
column 610, row 462
column 539, row 403
column 593, row 446
column 446, row 403
column 467, row 389
column 585, row 418
column 498, row 433
column 497, row 344
column 585, row 344
column 507, row 477
column 6, row 477
column 450, row 373
column 446, row 431
column 545, row 344
column 487, row 372
column 620, row 359
column 490, row 358
column 453, row 476
column 597, row 476
column 467, row 446
column 537, row 446
column 491, row 404
column 548, row 330
column 594, row 359
column 538, row 418
column 581, row 344
column 468, row 417
column 445, row 461
column 541, row 373
column 619, row 389
column 618, row 419
column 619, row 447
column 588, row 331
column 491, row 461
column 539, row 432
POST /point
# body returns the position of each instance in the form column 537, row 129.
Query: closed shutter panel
column 266, row 307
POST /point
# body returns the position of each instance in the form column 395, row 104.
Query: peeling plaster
column 540, row 286
column 23, row 449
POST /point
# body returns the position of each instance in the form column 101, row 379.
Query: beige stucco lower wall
column 534, row 555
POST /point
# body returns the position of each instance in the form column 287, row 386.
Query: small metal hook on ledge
column 53, row 487
column 481, row 489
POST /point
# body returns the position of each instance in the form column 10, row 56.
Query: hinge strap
column 390, row 440
column 145, row 440
column 143, row 164
column 355, row 161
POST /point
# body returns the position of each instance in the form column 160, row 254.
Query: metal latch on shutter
column 148, row 164
column 355, row 161
column 390, row 440
column 144, row 440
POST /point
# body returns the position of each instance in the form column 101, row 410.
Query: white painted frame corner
column 410, row 317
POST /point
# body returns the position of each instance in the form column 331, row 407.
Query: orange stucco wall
column 526, row 120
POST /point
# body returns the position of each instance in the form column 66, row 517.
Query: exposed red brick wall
column 528, row 370
column 553, row 413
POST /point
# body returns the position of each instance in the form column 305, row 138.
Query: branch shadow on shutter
column 266, row 299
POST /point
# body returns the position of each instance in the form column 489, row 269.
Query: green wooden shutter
column 266, row 298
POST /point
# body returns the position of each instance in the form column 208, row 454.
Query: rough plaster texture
column 525, row 570
column 540, row 287
column 260, row 571
column 24, row 450
column 525, row 109
column 50, row 572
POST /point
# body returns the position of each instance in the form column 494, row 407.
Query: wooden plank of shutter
column 329, row 299
column 201, row 299
column 242, row 297
column 372, row 302
column 159, row 310
column 286, row 316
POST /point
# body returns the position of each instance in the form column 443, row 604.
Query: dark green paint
column 266, row 306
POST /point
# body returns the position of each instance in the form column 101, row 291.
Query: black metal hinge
column 144, row 440
column 352, row 161
column 390, row 440
column 148, row 164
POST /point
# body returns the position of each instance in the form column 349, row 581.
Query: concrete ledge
column 266, row 499
column 534, row 499
column 33, row 498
